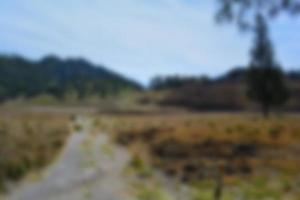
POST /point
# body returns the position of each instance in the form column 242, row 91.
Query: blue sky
column 139, row 38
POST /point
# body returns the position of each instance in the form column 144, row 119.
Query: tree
column 265, row 79
column 244, row 12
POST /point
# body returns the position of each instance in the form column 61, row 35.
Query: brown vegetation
column 29, row 141
column 226, row 95
column 192, row 147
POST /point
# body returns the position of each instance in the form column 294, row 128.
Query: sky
column 137, row 38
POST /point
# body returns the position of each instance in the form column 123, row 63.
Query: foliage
column 243, row 12
column 265, row 79
column 28, row 142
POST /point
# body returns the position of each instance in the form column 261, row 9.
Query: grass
column 29, row 141
column 139, row 167
column 150, row 192
column 254, row 154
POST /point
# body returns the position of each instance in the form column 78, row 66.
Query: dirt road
column 90, row 167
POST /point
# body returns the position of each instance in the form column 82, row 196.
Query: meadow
column 248, row 156
column 29, row 141
column 243, row 155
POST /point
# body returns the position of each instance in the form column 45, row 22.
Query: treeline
column 236, row 75
column 226, row 92
column 20, row 77
column 173, row 82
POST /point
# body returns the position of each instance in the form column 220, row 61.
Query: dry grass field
column 257, row 158
column 29, row 141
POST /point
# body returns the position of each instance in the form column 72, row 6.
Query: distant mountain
column 57, row 77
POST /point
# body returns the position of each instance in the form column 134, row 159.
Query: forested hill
column 57, row 77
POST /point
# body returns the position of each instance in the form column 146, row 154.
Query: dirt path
column 89, row 168
column 92, row 168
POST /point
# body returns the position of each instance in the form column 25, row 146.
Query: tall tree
column 265, row 79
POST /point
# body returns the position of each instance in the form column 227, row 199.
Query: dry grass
column 190, row 147
column 29, row 141
column 230, row 127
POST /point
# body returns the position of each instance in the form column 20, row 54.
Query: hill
column 54, row 76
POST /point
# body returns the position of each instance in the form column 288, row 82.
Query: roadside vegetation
column 29, row 141
column 256, row 158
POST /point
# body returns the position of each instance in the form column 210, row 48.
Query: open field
column 244, row 155
column 29, row 141
column 256, row 158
